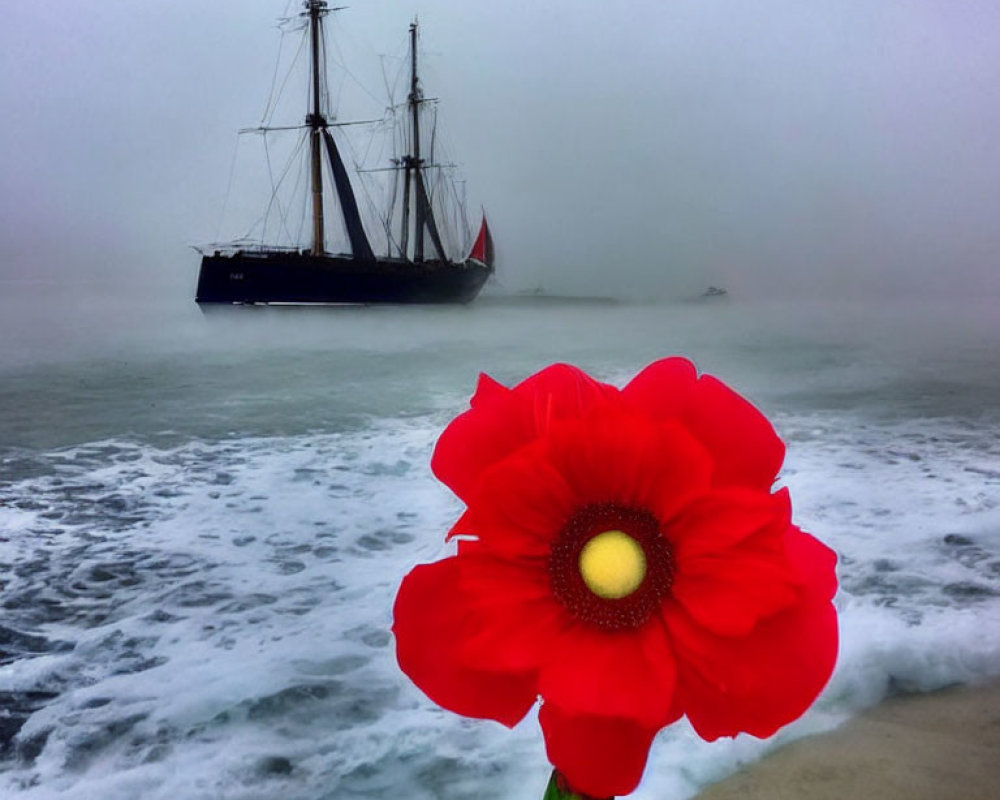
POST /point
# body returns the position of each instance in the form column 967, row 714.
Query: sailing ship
column 416, row 268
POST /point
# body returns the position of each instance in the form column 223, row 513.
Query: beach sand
column 935, row 746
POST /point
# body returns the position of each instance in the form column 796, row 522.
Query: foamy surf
column 211, row 620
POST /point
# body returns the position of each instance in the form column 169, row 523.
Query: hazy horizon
column 829, row 150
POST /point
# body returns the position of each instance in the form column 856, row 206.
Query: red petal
column 743, row 444
column 502, row 420
column 431, row 624
column 723, row 518
column 662, row 390
column 730, row 595
column 487, row 391
column 746, row 449
column 520, row 505
column 514, row 617
column 562, row 391
column 757, row 683
column 628, row 674
column 611, row 457
column 599, row 756
column 464, row 526
column 814, row 561
column 731, row 565
column 494, row 425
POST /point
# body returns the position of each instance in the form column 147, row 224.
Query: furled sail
column 360, row 246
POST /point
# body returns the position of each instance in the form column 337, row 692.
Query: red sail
column 482, row 250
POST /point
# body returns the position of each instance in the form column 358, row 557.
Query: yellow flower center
column 613, row 565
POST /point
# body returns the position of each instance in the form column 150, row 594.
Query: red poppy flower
column 624, row 558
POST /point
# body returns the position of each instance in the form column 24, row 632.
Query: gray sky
column 779, row 146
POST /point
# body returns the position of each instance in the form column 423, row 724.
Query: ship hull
column 301, row 278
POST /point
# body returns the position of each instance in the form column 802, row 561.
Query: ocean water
column 204, row 519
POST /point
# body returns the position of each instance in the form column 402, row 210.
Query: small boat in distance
column 412, row 270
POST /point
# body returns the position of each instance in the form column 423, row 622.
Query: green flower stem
column 558, row 789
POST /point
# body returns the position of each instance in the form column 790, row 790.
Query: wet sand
column 936, row 746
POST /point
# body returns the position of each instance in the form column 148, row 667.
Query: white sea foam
column 215, row 615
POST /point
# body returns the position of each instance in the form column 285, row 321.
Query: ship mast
column 319, row 135
column 317, row 125
column 413, row 173
column 418, row 231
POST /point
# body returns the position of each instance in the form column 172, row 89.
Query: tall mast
column 316, row 125
column 413, row 175
column 418, row 243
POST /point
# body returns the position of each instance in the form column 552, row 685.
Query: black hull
column 280, row 277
